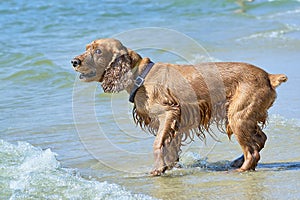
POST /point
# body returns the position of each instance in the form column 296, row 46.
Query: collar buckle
column 139, row 81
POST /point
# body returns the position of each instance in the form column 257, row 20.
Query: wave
column 280, row 124
column 29, row 172
column 34, row 69
column 278, row 33
column 288, row 13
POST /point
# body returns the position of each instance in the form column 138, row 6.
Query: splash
column 29, row 172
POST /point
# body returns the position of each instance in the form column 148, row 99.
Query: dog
column 176, row 102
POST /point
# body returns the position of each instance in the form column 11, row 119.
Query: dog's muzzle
column 75, row 62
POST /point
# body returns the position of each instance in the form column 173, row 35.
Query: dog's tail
column 277, row 79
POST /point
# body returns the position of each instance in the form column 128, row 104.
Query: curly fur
column 118, row 75
column 177, row 102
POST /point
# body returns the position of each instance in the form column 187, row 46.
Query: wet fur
column 177, row 102
column 119, row 69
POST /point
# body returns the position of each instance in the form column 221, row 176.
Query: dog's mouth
column 87, row 76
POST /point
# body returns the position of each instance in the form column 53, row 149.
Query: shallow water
column 77, row 143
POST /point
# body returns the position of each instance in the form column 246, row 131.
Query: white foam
column 279, row 33
column 278, row 121
column 281, row 14
column 35, row 173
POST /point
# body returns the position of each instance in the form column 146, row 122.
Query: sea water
column 63, row 139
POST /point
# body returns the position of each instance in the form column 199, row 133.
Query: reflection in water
column 196, row 182
column 213, row 180
column 279, row 166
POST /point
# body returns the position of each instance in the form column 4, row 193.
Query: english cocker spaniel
column 176, row 102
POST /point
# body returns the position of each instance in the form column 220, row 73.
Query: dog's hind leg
column 252, row 140
column 259, row 139
column 252, row 153
column 248, row 133
column 245, row 112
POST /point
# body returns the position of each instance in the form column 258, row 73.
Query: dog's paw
column 158, row 172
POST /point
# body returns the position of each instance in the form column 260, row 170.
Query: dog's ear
column 118, row 75
column 135, row 57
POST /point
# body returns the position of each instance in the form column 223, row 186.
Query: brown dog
column 175, row 102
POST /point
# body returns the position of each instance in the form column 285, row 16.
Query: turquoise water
column 63, row 139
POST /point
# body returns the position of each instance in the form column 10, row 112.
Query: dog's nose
column 75, row 62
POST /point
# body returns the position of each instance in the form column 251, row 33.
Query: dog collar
column 138, row 82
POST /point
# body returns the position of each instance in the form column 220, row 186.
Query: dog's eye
column 98, row 51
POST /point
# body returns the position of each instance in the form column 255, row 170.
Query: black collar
column 138, row 82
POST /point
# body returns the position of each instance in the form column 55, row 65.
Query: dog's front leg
column 166, row 128
column 172, row 148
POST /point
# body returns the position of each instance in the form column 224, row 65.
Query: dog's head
column 106, row 61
